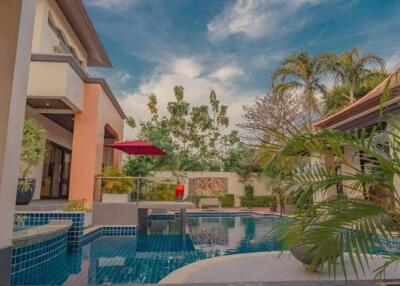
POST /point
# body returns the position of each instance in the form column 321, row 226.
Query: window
column 339, row 186
column 63, row 46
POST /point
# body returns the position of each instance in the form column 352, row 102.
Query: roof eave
column 79, row 19
column 368, row 101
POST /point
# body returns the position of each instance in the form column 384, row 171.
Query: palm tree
column 351, row 69
column 344, row 222
column 335, row 99
column 301, row 72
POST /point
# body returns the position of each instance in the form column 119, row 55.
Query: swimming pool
column 154, row 253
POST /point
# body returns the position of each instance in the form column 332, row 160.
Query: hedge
column 227, row 200
column 257, row 201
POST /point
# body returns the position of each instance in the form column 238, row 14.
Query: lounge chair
column 209, row 202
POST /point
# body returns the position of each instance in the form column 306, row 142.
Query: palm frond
column 336, row 226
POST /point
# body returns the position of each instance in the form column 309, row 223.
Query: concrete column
column 16, row 29
column 183, row 219
column 87, row 147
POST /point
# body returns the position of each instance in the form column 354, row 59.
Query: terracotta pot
column 304, row 254
column 179, row 191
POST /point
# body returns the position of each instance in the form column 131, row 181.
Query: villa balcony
column 55, row 84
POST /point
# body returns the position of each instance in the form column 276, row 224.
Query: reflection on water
column 157, row 251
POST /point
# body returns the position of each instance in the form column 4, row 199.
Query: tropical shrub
column 75, row 206
column 161, row 191
column 33, row 150
column 19, row 220
column 114, row 181
column 258, row 201
column 227, row 200
column 356, row 221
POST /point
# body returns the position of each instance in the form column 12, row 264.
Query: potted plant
column 33, row 152
column 79, row 206
column 116, row 187
column 307, row 254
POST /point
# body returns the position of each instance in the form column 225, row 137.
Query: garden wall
column 215, row 183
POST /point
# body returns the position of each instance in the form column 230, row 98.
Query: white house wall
column 235, row 187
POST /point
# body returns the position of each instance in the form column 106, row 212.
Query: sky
column 231, row 46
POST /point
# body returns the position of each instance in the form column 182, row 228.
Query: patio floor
column 42, row 205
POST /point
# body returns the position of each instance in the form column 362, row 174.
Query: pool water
column 154, row 253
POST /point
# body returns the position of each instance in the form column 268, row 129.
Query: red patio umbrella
column 137, row 147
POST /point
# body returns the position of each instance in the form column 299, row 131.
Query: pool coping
column 40, row 233
column 240, row 213
column 184, row 274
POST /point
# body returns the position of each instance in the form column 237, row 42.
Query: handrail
column 138, row 179
column 134, row 177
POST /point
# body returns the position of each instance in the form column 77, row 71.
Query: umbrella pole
column 137, row 189
column 138, row 184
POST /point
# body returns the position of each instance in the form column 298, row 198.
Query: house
column 46, row 48
column 79, row 112
column 365, row 113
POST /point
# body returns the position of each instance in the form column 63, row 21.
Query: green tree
column 338, row 96
column 196, row 138
column 352, row 70
column 335, row 99
column 302, row 72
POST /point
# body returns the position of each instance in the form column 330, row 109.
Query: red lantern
column 179, row 191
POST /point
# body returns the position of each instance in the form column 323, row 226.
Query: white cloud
column 109, row 4
column 186, row 67
column 227, row 72
column 116, row 79
column 256, row 18
column 123, row 77
column 185, row 72
column 393, row 62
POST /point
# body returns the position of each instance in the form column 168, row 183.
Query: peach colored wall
column 112, row 120
column 88, row 142
column 116, row 154
column 84, row 145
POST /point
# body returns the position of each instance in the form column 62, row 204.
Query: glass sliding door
column 56, row 171
column 66, row 165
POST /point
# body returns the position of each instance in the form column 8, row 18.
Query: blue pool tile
column 27, row 256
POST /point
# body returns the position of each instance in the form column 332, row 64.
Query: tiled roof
column 370, row 100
